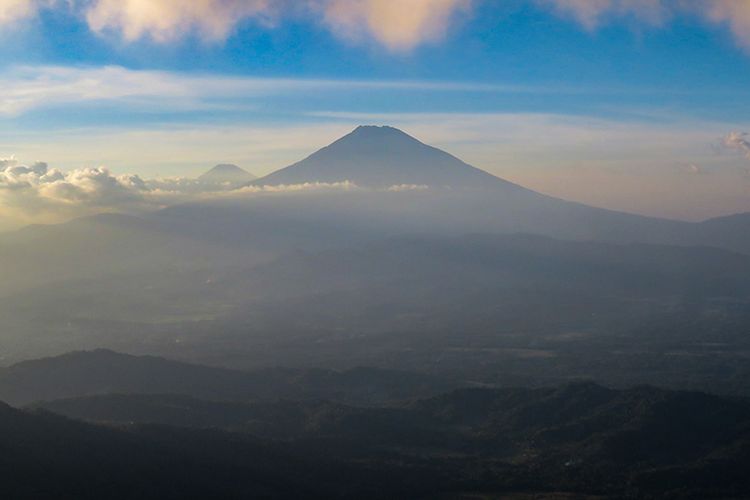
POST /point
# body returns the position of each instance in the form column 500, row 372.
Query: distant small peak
column 227, row 172
column 226, row 167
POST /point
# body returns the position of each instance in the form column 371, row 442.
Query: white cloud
column 23, row 88
column 166, row 20
column 14, row 10
column 735, row 14
column 37, row 187
column 592, row 13
column 37, row 193
column 29, row 87
column 396, row 188
column 738, row 141
column 398, row 25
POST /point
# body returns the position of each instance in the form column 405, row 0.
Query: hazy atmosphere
column 450, row 249
column 630, row 105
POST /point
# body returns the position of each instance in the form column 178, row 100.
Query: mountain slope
column 496, row 261
column 381, row 157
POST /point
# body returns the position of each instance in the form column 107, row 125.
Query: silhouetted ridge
column 84, row 373
column 380, row 157
column 579, row 439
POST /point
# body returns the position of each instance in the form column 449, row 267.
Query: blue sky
column 626, row 104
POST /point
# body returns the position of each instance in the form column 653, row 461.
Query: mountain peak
column 227, row 173
column 380, row 157
column 378, row 130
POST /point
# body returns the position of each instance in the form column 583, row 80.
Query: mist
column 368, row 249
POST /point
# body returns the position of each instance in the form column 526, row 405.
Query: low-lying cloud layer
column 39, row 194
column 399, row 26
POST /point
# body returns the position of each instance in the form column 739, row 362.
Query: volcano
column 381, row 157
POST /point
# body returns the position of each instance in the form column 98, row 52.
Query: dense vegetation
column 579, row 438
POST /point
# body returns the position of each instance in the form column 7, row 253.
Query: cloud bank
column 31, row 194
column 166, row 20
column 397, row 25
column 13, row 10
column 591, row 14
column 37, row 193
column 733, row 13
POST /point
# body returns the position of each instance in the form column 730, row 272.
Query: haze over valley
column 374, row 249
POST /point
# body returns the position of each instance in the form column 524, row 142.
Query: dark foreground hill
column 102, row 371
column 45, row 456
column 579, row 439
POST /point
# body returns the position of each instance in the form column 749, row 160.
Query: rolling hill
column 573, row 440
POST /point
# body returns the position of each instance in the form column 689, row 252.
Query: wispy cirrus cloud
column 24, row 88
column 592, row 13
